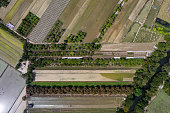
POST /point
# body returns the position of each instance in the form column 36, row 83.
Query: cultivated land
column 160, row 104
column 11, row 48
column 45, row 24
column 16, row 11
column 164, row 12
column 121, row 20
column 71, row 110
column 76, row 102
column 89, row 18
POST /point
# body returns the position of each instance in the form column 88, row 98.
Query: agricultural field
column 28, row 24
column 153, row 13
column 143, row 14
column 160, row 104
column 164, row 12
column 76, row 102
column 88, row 16
column 78, row 110
column 132, row 33
column 112, row 35
column 119, row 76
column 17, row 11
column 11, row 48
column 3, row 66
column 147, row 35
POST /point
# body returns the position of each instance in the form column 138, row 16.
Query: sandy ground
column 4, row 11
column 128, row 47
column 81, row 71
column 70, row 77
column 75, row 20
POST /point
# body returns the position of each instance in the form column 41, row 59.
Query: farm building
column 12, row 89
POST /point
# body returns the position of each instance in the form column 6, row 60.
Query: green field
column 13, row 10
column 147, row 35
column 160, row 104
column 132, row 33
column 118, row 76
column 11, row 48
column 79, row 83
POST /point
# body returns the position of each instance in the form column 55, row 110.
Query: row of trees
column 76, row 38
column 109, row 22
column 148, row 79
column 4, row 3
column 55, row 33
column 64, row 46
column 27, row 24
column 59, row 53
column 43, row 62
column 32, row 90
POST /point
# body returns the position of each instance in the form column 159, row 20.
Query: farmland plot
column 164, row 12
column 153, row 13
column 147, row 35
column 143, row 14
column 120, row 21
column 11, row 49
column 89, row 18
column 132, row 33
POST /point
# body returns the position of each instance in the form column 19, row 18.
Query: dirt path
column 75, row 20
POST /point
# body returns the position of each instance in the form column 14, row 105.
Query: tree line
column 110, row 90
column 55, row 33
column 27, row 24
column 109, row 22
column 75, row 38
column 148, row 79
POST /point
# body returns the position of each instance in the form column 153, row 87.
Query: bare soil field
column 164, row 12
column 93, row 15
column 128, row 47
column 82, row 71
column 76, row 102
column 120, row 21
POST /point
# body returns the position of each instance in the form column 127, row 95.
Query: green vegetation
column 13, row 10
column 105, row 62
column 27, row 24
column 11, row 48
column 109, row 22
column 76, row 39
column 166, row 87
column 117, row 76
column 79, row 83
column 148, row 79
column 124, row 89
column 4, row 3
column 160, row 104
column 161, row 27
column 55, row 33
